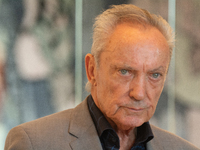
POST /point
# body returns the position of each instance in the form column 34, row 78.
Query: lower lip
column 136, row 110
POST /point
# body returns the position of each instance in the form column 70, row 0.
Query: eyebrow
column 161, row 68
column 124, row 66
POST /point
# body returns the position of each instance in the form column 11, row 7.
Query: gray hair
column 107, row 21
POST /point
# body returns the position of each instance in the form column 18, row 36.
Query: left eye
column 155, row 75
column 123, row 71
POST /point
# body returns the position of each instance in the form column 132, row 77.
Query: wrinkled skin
column 129, row 79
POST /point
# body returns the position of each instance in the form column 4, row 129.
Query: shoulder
column 56, row 121
column 45, row 131
column 167, row 140
column 39, row 132
column 49, row 121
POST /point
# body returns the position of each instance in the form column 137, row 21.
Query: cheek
column 154, row 102
column 151, row 110
column 153, row 95
column 112, row 86
column 116, row 87
column 154, row 90
column 113, row 94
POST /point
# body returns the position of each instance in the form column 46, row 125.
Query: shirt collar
column 99, row 120
column 144, row 132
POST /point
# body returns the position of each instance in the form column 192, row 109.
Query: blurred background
column 42, row 49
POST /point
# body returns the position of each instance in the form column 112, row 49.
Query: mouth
column 135, row 109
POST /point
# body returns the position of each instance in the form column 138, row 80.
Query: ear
column 90, row 68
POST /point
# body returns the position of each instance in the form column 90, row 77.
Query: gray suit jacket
column 73, row 129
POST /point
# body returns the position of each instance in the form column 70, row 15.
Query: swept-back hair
column 107, row 21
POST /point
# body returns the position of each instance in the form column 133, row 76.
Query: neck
column 127, row 138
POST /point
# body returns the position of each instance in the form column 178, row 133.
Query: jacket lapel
column 83, row 130
column 155, row 143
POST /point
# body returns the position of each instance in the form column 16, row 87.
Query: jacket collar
column 83, row 130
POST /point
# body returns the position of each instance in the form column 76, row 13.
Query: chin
column 127, row 124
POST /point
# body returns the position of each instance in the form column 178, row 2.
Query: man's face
column 131, row 75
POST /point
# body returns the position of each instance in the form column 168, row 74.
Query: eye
column 156, row 75
column 123, row 71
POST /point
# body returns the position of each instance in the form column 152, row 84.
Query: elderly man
column 126, row 72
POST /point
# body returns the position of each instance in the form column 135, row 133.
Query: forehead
column 135, row 34
column 136, row 42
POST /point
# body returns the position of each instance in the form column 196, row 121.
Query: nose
column 138, row 88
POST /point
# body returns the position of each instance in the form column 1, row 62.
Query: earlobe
column 90, row 68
